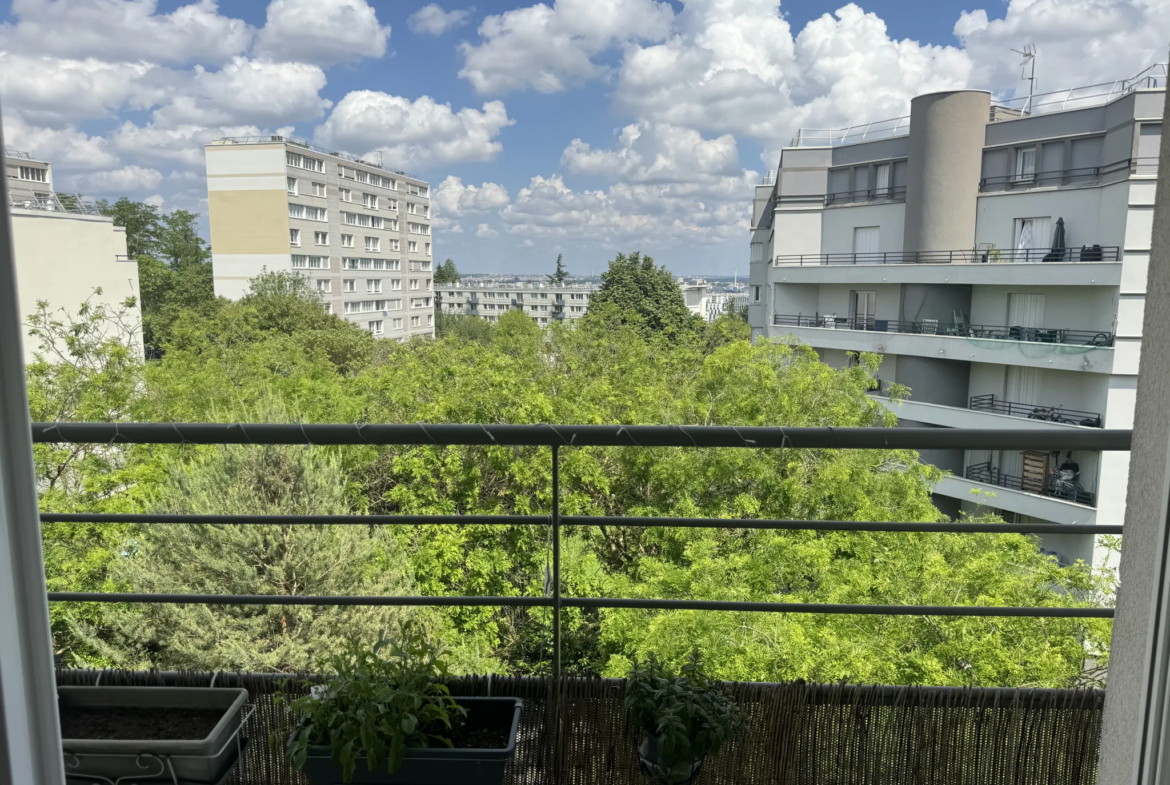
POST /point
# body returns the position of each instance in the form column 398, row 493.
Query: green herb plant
column 379, row 702
column 687, row 714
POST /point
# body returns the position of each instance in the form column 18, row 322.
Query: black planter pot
column 190, row 762
column 666, row 771
column 435, row 765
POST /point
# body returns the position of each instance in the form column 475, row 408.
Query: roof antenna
column 1028, row 71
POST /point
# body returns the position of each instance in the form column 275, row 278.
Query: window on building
column 411, row 246
column 881, row 181
column 430, row 319
column 318, row 189
column 396, row 284
column 415, row 321
column 429, row 285
column 396, row 323
column 321, row 238
column 391, row 204
column 1025, row 164
column 324, row 285
column 375, row 327
column 345, row 172
column 755, row 294
column 345, row 195
column 411, row 208
column 370, row 201
column 392, row 224
column 1033, row 238
column 347, row 241
column 427, row 249
column 294, row 237
column 394, row 244
column 865, row 239
column 373, row 285
column 349, row 285
column 414, row 284
column 373, row 244
column 292, row 186
column 327, row 307
column 862, row 307
column 363, row 177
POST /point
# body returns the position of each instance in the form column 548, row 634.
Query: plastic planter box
column 434, row 765
column 193, row 761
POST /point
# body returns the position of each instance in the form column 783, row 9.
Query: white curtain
column 1022, row 385
column 1033, row 234
column 1025, row 310
column 882, row 179
column 865, row 239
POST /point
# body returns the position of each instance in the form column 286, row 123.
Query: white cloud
column 117, row 30
column 127, row 179
column 413, row 133
column 248, row 91
column 454, row 198
column 433, row 20
column 64, row 148
column 485, row 232
column 551, row 49
column 157, row 200
column 54, row 90
column 180, row 145
column 321, row 31
column 657, row 153
column 1080, row 42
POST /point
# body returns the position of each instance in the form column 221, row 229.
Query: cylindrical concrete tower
column 942, row 176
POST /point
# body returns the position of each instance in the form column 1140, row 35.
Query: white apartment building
column 706, row 304
column 995, row 255
column 65, row 249
column 360, row 232
column 545, row 304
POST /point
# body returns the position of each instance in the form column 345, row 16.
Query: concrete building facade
column 360, row 232
column 995, row 256
column 545, row 304
column 65, row 249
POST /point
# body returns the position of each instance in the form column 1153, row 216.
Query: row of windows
column 369, row 178
column 304, row 162
column 376, row 327
column 302, row 262
column 370, row 221
column 414, row 228
column 368, row 306
column 32, row 173
column 366, row 263
column 307, row 213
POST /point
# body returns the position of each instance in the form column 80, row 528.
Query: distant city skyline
column 585, row 127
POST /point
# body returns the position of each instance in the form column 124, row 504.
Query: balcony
column 1056, row 414
column 1057, row 178
column 1095, row 253
column 1045, row 335
column 889, row 194
column 989, row 475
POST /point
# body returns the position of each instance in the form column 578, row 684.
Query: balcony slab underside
column 950, row 347
column 1046, row 274
column 961, row 417
column 1031, row 504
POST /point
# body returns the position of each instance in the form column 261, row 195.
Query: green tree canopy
column 634, row 285
column 446, row 273
column 139, row 219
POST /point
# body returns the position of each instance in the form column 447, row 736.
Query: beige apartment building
column 359, row 231
column 65, row 249
column 544, row 304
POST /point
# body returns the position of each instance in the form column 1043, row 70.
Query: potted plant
column 383, row 717
column 682, row 717
column 186, row 734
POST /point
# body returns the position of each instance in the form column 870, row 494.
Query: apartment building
column 545, row 304
column 361, row 233
column 65, row 249
column 707, row 304
column 995, row 255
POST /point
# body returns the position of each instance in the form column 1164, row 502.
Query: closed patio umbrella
column 1057, row 253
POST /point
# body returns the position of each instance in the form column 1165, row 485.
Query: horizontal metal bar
column 285, row 599
column 588, row 602
column 350, row 520
column 814, row 607
column 859, row 526
column 583, row 436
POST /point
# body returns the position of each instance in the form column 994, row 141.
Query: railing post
column 556, row 545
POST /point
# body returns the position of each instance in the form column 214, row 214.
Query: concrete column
column 1134, row 741
column 947, row 132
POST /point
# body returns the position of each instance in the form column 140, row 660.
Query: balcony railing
column 896, row 193
column 1100, row 339
column 1094, row 253
column 1078, row 176
column 989, row 403
column 867, row 132
column 986, row 473
column 55, row 203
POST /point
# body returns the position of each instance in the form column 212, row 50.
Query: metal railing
column 1095, row 253
column 986, row 473
column 21, row 154
column 989, row 403
column 302, row 143
column 54, row 203
column 832, row 137
column 1077, row 176
column 893, row 193
column 953, row 329
column 557, row 438
column 1151, row 78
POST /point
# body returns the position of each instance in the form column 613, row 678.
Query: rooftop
column 301, row 143
column 1152, row 78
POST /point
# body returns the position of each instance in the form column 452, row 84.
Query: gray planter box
column 433, row 765
column 195, row 761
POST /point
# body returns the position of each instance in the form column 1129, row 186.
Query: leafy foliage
column 446, row 273
column 560, row 274
column 634, row 286
column 688, row 715
column 378, row 702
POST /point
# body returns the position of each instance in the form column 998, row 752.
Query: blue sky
column 580, row 127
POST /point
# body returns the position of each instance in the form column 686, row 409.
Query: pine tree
column 558, row 278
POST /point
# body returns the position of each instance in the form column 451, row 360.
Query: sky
column 582, row 127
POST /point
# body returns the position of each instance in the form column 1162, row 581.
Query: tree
column 463, row 328
column 635, row 286
column 178, row 242
column 558, row 277
column 446, row 273
column 139, row 219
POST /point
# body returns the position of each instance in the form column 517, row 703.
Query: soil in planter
column 123, row 723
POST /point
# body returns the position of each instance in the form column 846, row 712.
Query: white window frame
column 349, row 285
column 347, row 241
column 321, row 238
column 294, row 237
column 374, row 244
column 324, row 285
column 373, row 286
column 375, row 327
column 1024, row 169
column 292, row 186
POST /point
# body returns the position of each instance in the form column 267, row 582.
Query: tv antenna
column 1028, row 71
